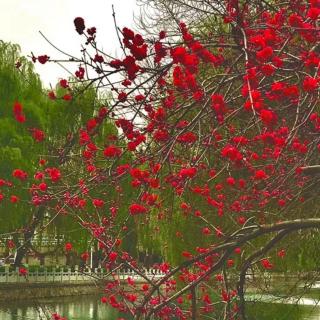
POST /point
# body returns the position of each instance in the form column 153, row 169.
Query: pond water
column 277, row 311
column 90, row 308
column 73, row 308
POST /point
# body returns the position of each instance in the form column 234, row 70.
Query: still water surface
column 90, row 308
column 73, row 308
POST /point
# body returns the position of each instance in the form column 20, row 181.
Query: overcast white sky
column 21, row 20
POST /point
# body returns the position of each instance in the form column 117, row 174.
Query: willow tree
column 16, row 141
column 27, row 110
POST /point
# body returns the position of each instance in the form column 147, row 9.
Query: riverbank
column 32, row 291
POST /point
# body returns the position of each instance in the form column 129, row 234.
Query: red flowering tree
column 217, row 152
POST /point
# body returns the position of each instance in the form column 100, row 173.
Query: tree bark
column 28, row 235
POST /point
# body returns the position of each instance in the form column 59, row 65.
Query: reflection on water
column 73, row 308
column 267, row 306
column 90, row 308
column 276, row 311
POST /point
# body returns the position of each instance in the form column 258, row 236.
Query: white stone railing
column 38, row 239
column 73, row 276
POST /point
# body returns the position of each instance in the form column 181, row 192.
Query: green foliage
column 59, row 119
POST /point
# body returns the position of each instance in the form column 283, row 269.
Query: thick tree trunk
column 28, row 235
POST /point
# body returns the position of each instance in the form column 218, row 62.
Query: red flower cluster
column 23, row 271
column 232, row 153
column 310, row 84
column 54, row 174
column 68, row 246
column 67, row 97
column 187, row 172
column 135, row 43
column 80, row 73
column 161, row 135
column 268, row 117
column 56, row 316
column 266, row 264
column 112, row 151
column 136, row 208
column 19, row 174
column 43, row 59
column 160, row 51
column 98, row 58
column 98, row 203
column 187, row 137
column 122, row 97
column 18, row 112
column 315, row 119
column 113, row 256
column 14, row 199
column 85, row 256
column 138, row 49
column 218, row 105
column 265, row 54
column 260, row 175
column 38, row 135
column 79, row 24
column 64, row 83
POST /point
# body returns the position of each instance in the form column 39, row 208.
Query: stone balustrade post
column 7, row 270
column 76, row 269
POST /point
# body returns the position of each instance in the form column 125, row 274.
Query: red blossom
column 231, row 181
column 19, row 174
column 64, row 83
column 281, row 253
column 17, row 108
column 266, row 264
column 98, row 58
column 310, row 84
column 313, row 13
column 20, row 117
column 122, row 97
column 79, row 24
column 85, row 256
column 14, row 199
column 51, row 95
column 38, row 135
column 98, row 203
column 113, row 256
column 11, row 244
column 188, row 172
column 136, row 208
column 80, row 73
column 18, row 112
column 161, row 135
column 67, row 97
column 54, row 174
column 268, row 117
column 231, row 152
column 260, row 175
column 265, row 54
column 112, row 151
column 187, row 137
column 23, row 271
column 68, row 246
column 128, row 33
column 230, row 263
column 43, row 59
column 104, row 299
